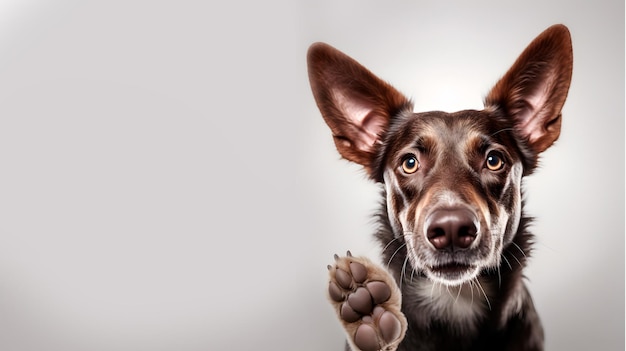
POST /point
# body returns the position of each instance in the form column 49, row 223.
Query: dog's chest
column 461, row 307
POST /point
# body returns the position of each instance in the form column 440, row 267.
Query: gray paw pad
column 380, row 329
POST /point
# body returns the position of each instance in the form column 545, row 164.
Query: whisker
column 389, row 243
column 518, row 262
column 471, row 284
column 394, row 254
column 507, row 261
column 501, row 130
column 406, row 259
column 398, row 249
column 458, row 294
column 519, row 248
column 432, row 291
column 448, row 290
column 484, row 294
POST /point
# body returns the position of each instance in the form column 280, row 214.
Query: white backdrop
column 167, row 183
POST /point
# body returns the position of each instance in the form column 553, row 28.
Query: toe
column 359, row 272
column 380, row 291
column 390, row 326
column 335, row 292
column 365, row 338
column 343, row 278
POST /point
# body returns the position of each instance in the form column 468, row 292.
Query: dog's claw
column 336, row 257
column 348, row 253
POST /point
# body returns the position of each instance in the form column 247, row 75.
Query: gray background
column 167, row 183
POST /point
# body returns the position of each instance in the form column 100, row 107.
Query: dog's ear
column 534, row 89
column 356, row 105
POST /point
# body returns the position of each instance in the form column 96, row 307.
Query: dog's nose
column 451, row 229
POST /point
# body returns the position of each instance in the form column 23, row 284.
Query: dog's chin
column 453, row 274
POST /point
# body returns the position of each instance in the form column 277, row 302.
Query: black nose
column 451, row 229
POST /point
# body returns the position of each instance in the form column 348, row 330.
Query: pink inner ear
column 360, row 113
column 529, row 122
column 533, row 118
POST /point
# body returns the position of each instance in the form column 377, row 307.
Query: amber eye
column 410, row 164
column 494, row 161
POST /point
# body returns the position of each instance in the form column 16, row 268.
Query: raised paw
column 367, row 302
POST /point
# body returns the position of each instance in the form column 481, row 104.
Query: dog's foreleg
column 367, row 301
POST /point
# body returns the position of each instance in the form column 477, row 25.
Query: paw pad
column 389, row 327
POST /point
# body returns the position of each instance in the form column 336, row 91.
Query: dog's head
column 452, row 180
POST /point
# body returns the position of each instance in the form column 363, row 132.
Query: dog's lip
column 451, row 268
column 452, row 274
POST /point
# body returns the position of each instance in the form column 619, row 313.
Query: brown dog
column 452, row 227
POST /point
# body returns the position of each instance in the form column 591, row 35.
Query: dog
column 452, row 230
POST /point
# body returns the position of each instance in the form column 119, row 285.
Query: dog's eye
column 410, row 164
column 494, row 161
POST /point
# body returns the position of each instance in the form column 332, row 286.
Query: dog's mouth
column 453, row 273
column 452, row 268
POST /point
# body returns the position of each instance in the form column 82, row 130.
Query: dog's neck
column 461, row 308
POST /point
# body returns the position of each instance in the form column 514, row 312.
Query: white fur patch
column 516, row 178
column 392, row 187
column 461, row 307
